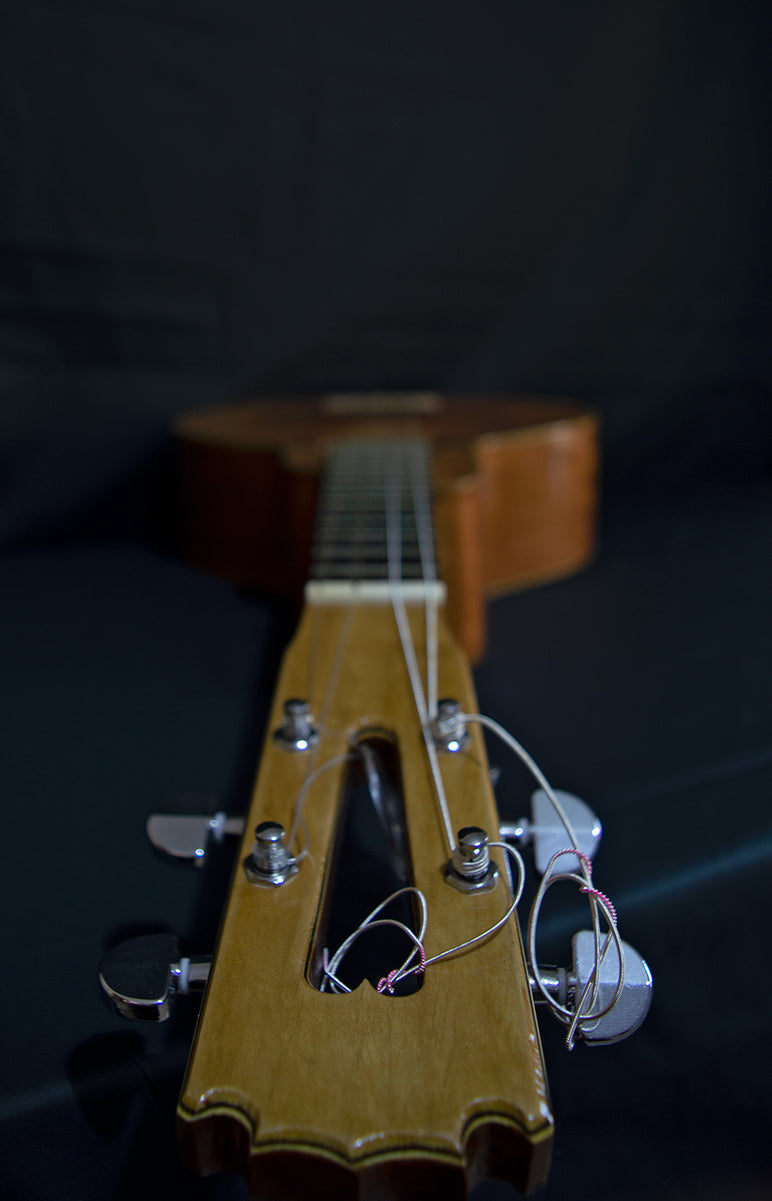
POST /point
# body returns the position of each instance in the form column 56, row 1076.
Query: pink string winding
column 590, row 892
column 386, row 983
column 601, row 896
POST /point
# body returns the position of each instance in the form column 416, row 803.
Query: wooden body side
column 538, row 502
column 366, row 1096
column 516, row 489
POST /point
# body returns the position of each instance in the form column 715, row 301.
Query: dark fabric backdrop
column 201, row 198
column 205, row 197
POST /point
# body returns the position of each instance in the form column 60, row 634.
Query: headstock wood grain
column 366, row 1095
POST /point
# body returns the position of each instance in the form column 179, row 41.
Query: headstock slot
column 371, row 860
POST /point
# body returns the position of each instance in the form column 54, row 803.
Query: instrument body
column 515, row 489
column 367, row 1096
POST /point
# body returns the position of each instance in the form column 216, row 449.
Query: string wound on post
column 449, row 728
column 470, row 867
column 269, row 863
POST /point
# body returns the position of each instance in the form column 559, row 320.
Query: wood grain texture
column 516, row 483
column 366, row 1096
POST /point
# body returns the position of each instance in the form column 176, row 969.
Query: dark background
column 205, row 198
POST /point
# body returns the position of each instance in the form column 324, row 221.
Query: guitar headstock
column 366, row 1094
column 416, row 1069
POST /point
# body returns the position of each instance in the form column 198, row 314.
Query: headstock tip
column 224, row 1139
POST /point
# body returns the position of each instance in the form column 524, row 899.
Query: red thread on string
column 386, row 983
column 591, row 892
column 601, row 896
column 579, row 854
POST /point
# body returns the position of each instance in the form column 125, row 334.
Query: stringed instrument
column 364, row 1094
column 514, row 489
column 425, row 1075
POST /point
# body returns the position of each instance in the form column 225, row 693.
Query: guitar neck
column 365, row 1094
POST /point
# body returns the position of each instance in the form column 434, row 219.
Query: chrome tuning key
column 547, row 833
column 186, row 835
column 141, row 976
column 634, row 1001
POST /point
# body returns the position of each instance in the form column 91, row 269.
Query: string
column 391, row 470
column 424, row 707
column 360, row 462
column 582, row 1013
column 300, row 800
column 585, row 1010
column 530, row 763
column 429, row 575
column 338, row 467
column 478, row 938
column 312, row 772
column 369, row 923
column 598, row 901
column 331, row 967
column 394, row 558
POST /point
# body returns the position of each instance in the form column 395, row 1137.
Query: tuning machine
column 139, row 977
column 548, row 835
column 187, row 835
column 546, row 832
column 470, row 867
column 634, row 1001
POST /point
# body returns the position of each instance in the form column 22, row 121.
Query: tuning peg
column 185, row 835
column 297, row 731
column 634, row 1001
column 139, row 977
column 449, row 728
column 548, row 834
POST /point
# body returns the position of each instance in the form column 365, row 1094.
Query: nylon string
column 394, row 555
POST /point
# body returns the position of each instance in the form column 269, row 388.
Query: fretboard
column 373, row 530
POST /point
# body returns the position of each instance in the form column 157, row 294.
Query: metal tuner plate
column 140, row 977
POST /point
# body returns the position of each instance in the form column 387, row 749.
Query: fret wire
column 350, row 534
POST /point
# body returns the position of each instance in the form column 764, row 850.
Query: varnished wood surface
column 515, row 481
column 365, row 1095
